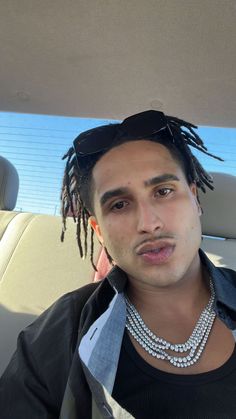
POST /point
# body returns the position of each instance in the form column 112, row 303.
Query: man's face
column 146, row 214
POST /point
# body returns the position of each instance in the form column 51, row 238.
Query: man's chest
column 146, row 391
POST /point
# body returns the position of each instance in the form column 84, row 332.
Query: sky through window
column 35, row 145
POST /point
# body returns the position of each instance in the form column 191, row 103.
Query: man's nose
column 149, row 220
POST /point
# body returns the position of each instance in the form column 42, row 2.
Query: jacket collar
column 224, row 282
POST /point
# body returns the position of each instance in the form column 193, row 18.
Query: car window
column 35, row 145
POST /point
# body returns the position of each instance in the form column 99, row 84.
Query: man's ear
column 93, row 223
column 194, row 190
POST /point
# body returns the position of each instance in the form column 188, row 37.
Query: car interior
column 104, row 59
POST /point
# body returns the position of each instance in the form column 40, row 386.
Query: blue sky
column 36, row 143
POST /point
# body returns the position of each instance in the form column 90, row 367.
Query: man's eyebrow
column 113, row 193
column 160, row 179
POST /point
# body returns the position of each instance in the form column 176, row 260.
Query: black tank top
column 149, row 393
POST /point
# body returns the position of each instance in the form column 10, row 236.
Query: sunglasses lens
column 144, row 124
column 95, row 140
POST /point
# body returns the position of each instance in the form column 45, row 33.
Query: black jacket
column 34, row 382
column 45, row 378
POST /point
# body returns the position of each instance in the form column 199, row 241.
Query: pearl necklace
column 158, row 347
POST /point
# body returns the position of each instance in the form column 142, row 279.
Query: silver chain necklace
column 158, row 347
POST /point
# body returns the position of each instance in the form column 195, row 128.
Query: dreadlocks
column 73, row 204
column 76, row 199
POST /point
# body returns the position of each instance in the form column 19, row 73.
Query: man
column 148, row 341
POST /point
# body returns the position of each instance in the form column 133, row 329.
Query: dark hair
column 77, row 187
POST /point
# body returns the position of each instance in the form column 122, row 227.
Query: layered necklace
column 159, row 348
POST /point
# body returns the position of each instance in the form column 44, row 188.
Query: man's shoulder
column 56, row 329
column 95, row 293
column 224, row 273
column 66, row 310
column 228, row 272
column 63, row 314
column 227, row 278
column 77, row 297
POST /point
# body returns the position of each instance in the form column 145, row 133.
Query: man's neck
column 179, row 299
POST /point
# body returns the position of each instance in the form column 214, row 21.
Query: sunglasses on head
column 141, row 125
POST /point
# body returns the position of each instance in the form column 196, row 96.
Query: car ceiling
column 112, row 58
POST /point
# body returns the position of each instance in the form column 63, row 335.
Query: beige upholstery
column 219, row 220
column 221, row 252
column 35, row 263
column 219, row 207
column 36, row 268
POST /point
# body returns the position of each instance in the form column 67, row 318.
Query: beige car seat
column 35, row 267
column 219, row 221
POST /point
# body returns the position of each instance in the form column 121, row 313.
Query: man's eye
column 164, row 191
column 119, row 205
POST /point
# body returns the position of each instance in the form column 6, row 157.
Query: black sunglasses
column 141, row 125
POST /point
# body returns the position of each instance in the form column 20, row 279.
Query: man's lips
column 156, row 252
column 154, row 246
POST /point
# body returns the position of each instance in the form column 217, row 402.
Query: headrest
column 9, row 185
column 219, row 207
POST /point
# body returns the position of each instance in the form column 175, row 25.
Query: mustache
column 154, row 238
